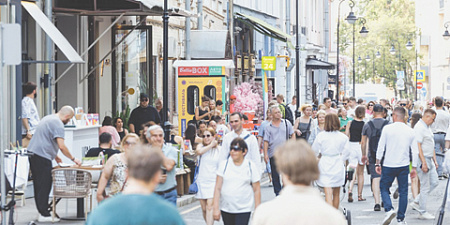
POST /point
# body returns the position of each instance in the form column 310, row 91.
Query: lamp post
column 446, row 34
column 297, row 58
column 363, row 33
column 166, row 101
column 351, row 18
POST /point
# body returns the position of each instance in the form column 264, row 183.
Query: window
column 192, row 99
column 210, row 91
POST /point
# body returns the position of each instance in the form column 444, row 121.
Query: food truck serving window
column 192, row 99
column 210, row 91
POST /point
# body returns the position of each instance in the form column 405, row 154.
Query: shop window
column 210, row 91
column 192, row 99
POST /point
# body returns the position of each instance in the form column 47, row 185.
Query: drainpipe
column 187, row 32
column 48, row 70
column 200, row 14
column 288, row 31
column 327, row 42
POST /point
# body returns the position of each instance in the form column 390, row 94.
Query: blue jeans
column 388, row 174
column 170, row 196
column 275, row 177
column 439, row 146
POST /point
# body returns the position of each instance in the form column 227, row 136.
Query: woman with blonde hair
column 304, row 124
column 319, row 126
column 208, row 159
column 115, row 169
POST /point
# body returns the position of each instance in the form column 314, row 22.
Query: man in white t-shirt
column 293, row 106
column 351, row 107
column 220, row 129
column 439, row 129
column 236, row 122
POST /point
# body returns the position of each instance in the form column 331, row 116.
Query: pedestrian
column 190, row 140
column 236, row 122
column 104, row 148
column 202, row 125
column 219, row 106
column 234, row 198
column 304, row 124
column 159, row 108
column 318, row 127
column 395, row 154
column 221, row 129
column 345, row 103
column 30, row 114
column 115, row 169
column 203, row 112
column 357, row 158
column 261, row 129
column 167, row 187
column 343, row 119
column 275, row 134
column 328, row 108
column 332, row 149
column 427, row 173
column 286, row 112
column 208, row 159
column 232, row 102
column 108, row 128
column 369, row 110
column 118, row 124
column 370, row 137
column 142, row 114
column 298, row 203
column 439, row 129
column 293, row 106
column 138, row 204
column 47, row 140
column 351, row 107
column 415, row 186
column 213, row 109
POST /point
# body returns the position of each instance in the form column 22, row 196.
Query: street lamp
column 359, row 59
column 351, row 18
column 363, row 32
column 409, row 45
column 378, row 55
column 446, row 34
column 368, row 58
column 392, row 50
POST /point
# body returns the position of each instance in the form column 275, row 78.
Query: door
column 132, row 66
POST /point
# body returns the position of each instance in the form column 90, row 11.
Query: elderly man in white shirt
column 236, row 121
column 394, row 151
column 427, row 173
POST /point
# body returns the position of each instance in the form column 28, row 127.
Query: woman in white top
column 332, row 149
column 208, row 158
column 116, row 168
column 237, row 186
column 318, row 126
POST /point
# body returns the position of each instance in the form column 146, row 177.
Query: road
column 362, row 212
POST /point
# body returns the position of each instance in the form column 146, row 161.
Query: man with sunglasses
column 236, row 122
column 142, row 114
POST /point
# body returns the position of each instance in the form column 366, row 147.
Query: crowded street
column 230, row 112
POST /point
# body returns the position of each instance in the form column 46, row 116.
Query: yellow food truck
column 196, row 78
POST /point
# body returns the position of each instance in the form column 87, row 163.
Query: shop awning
column 265, row 28
column 316, row 64
column 117, row 7
column 228, row 64
column 53, row 32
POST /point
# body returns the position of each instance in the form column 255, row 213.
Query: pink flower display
column 249, row 98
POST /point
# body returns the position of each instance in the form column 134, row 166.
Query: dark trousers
column 41, row 172
column 388, row 175
column 275, row 177
column 235, row 218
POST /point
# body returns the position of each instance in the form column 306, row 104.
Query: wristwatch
column 377, row 165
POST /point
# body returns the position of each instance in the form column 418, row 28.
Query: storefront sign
column 193, row 70
column 269, row 63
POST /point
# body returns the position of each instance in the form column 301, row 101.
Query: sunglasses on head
column 403, row 104
column 236, row 148
column 206, row 135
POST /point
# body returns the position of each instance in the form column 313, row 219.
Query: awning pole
column 92, row 45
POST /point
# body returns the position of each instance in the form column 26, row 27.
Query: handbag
column 193, row 188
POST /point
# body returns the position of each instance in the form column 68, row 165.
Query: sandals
column 350, row 197
column 360, row 198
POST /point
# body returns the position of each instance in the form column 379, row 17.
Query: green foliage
column 389, row 23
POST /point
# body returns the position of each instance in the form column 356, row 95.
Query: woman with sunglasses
column 115, row 169
column 237, row 186
column 369, row 111
column 208, row 157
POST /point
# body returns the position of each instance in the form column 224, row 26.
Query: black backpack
column 288, row 114
column 374, row 138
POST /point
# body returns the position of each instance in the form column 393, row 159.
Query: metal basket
column 71, row 183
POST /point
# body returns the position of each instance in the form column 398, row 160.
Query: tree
column 390, row 24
